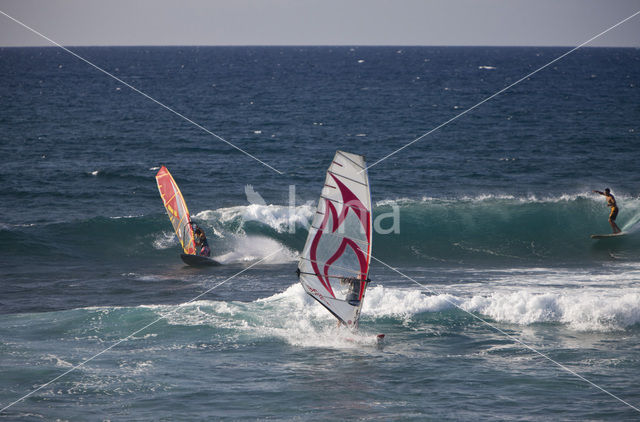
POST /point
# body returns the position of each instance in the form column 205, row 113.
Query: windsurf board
column 198, row 260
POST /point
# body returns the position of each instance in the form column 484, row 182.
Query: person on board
column 201, row 241
column 354, row 285
column 353, row 296
column 611, row 202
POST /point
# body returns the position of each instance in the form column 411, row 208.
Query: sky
column 320, row 22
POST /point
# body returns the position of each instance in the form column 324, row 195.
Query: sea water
column 483, row 244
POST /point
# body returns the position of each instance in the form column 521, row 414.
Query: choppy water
column 494, row 214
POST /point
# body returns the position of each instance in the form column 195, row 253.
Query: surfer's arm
column 597, row 191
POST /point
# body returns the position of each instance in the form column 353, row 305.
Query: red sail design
column 334, row 265
column 176, row 209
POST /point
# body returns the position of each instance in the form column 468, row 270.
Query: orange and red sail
column 176, row 209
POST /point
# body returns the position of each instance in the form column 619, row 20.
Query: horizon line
column 321, row 45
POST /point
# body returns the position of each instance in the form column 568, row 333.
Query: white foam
column 630, row 203
column 295, row 317
column 391, row 202
column 278, row 217
column 383, row 302
column 312, row 326
column 591, row 310
column 270, row 317
column 136, row 368
column 57, row 361
column 165, row 240
column 585, row 311
column 254, row 248
column 151, row 277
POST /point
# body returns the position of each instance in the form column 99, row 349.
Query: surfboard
column 606, row 236
column 198, row 260
column 334, row 264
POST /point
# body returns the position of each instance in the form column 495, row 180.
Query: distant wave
column 506, row 228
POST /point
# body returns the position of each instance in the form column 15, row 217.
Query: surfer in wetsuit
column 201, row 241
column 611, row 202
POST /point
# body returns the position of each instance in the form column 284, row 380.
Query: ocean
column 483, row 238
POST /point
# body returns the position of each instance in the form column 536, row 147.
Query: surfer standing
column 611, row 202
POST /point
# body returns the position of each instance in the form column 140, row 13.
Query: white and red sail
column 334, row 264
column 177, row 210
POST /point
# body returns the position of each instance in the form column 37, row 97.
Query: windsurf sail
column 334, row 264
column 177, row 210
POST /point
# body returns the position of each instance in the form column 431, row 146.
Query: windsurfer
column 201, row 241
column 611, row 202
column 353, row 296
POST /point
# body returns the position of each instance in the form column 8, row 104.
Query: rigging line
column 509, row 336
column 138, row 331
column 501, row 91
column 182, row 116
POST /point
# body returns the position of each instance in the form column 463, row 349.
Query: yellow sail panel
column 176, row 209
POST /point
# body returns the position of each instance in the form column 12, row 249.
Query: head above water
column 607, row 191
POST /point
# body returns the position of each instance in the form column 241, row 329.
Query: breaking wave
column 487, row 229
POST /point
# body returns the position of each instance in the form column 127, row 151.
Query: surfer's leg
column 612, row 220
column 614, row 226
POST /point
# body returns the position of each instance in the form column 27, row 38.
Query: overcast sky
column 319, row 22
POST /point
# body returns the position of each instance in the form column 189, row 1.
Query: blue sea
column 483, row 236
